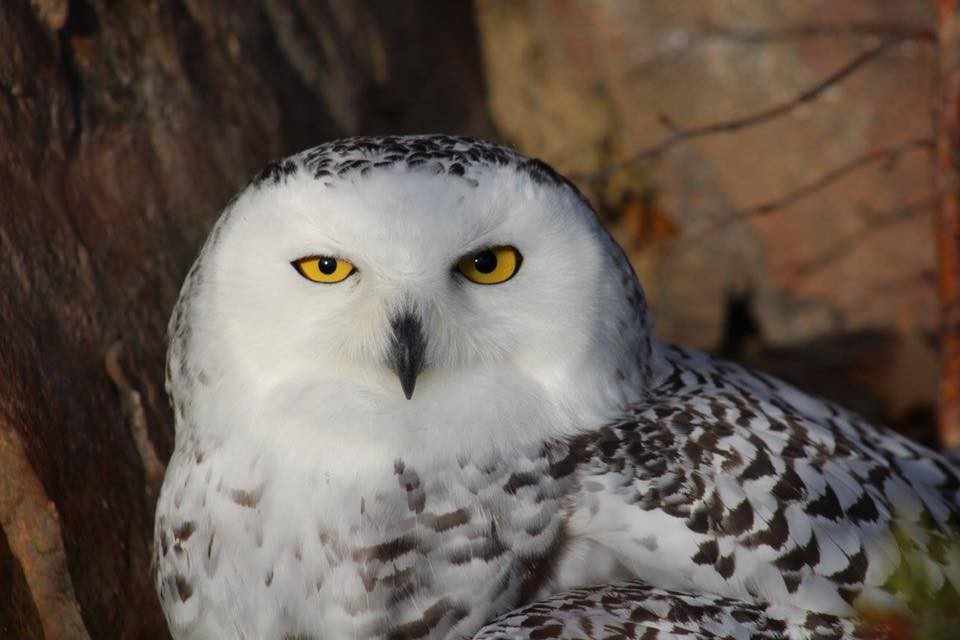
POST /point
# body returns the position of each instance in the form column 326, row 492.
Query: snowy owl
column 417, row 395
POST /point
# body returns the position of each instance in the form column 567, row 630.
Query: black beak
column 406, row 353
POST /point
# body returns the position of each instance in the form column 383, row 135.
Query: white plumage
column 549, row 443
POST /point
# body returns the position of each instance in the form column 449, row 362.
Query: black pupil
column 327, row 265
column 485, row 261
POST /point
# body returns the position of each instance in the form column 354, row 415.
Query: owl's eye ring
column 493, row 265
column 324, row 269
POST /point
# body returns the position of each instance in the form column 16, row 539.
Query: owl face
column 410, row 290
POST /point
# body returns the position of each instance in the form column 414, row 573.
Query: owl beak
column 407, row 351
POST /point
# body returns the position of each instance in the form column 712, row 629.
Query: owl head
column 419, row 290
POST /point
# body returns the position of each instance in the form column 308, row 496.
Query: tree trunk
column 948, row 222
column 124, row 128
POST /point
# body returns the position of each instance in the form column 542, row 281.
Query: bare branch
column 153, row 469
column 680, row 135
column 843, row 246
column 888, row 157
column 899, row 31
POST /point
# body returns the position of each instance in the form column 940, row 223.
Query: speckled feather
column 637, row 611
column 743, row 486
column 438, row 154
column 304, row 506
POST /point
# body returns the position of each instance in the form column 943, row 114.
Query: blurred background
column 766, row 165
column 746, row 242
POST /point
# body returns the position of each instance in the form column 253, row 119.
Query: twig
column 888, row 157
column 899, row 31
column 680, row 135
column 153, row 469
column 845, row 245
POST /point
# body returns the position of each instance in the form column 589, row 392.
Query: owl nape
column 417, row 395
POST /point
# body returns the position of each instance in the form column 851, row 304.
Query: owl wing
column 635, row 611
column 731, row 482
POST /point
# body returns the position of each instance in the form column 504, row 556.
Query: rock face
column 125, row 127
column 584, row 85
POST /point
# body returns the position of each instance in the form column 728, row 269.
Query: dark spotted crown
column 437, row 154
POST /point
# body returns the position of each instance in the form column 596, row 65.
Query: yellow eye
column 491, row 266
column 323, row 269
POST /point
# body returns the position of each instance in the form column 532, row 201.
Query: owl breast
column 406, row 552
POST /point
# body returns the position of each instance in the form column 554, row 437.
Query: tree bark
column 124, row 128
column 948, row 222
